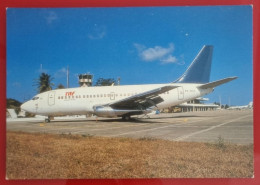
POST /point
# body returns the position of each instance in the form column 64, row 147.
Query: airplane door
column 51, row 98
column 180, row 93
column 36, row 107
column 112, row 96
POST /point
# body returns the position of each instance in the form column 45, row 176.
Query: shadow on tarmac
column 132, row 119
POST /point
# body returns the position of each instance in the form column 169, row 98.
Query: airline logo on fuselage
column 69, row 93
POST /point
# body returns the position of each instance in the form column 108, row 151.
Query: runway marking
column 50, row 127
column 139, row 125
column 80, row 129
column 208, row 129
column 190, row 127
column 201, row 126
column 231, row 138
column 151, row 129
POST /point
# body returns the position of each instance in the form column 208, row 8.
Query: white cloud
column 97, row 33
column 52, row 16
column 157, row 53
column 16, row 84
column 41, row 70
column 169, row 59
column 61, row 73
column 139, row 47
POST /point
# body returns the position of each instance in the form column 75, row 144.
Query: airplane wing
column 143, row 100
column 217, row 83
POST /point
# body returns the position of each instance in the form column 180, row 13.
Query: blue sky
column 141, row 45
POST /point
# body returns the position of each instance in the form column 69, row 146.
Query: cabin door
column 112, row 96
column 51, row 98
column 180, row 93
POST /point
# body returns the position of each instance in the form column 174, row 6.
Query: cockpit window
column 35, row 98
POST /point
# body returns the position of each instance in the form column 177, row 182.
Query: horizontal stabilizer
column 217, row 83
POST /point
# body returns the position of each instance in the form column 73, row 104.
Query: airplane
column 128, row 100
column 249, row 106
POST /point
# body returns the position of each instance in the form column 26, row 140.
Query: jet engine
column 106, row 111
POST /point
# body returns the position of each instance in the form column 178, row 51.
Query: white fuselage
column 80, row 101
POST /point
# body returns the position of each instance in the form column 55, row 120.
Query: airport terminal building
column 192, row 106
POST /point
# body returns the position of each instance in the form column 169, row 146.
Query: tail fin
column 199, row 70
column 250, row 105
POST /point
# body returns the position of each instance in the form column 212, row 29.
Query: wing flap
column 217, row 83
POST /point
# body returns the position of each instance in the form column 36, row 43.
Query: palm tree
column 105, row 82
column 43, row 83
column 60, row 86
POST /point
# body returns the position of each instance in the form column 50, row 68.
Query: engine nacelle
column 105, row 111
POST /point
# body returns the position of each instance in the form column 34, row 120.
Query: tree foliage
column 105, row 82
column 60, row 86
column 217, row 103
column 226, row 106
column 13, row 104
column 44, row 83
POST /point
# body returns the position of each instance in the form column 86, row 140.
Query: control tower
column 85, row 80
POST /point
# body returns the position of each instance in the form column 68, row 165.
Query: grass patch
column 221, row 143
column 47, row 156
column 147, row 139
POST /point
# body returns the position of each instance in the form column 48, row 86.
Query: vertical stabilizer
column 199, row 70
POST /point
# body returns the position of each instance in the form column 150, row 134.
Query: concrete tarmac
column 231, row 126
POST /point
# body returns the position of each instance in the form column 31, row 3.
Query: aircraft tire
column 126, row 118
column 47, row 120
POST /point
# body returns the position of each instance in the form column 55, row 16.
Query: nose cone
column 26, row 107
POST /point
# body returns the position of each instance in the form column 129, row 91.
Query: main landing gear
column 126, row 117
column 47, row 120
